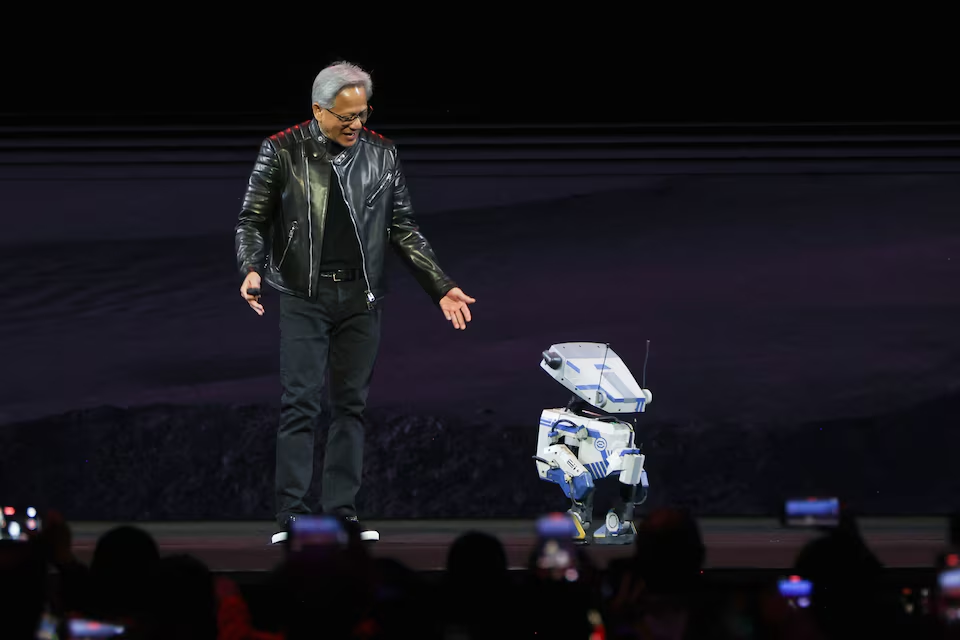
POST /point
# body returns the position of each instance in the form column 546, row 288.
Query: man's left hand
column 455, row 309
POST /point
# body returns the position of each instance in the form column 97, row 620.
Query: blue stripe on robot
column 599, row 469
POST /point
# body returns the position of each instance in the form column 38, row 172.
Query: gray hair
column 335, row 78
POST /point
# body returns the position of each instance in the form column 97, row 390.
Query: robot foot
column 614, row 531
column 580, row 536
column 581, row 512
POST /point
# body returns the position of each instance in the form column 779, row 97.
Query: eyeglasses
column 363, row 115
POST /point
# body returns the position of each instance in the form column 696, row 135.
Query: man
column 323, row 201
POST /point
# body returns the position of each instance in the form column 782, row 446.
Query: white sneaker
column 366, row 535
column 281, row 535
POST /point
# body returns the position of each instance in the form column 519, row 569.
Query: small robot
column 586, row 441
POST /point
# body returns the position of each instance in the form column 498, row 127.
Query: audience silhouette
column 335, row 588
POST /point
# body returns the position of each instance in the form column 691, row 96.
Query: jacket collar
column 325, row 144
column 316, row 133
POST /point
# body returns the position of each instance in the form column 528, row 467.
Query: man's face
column 350, row 102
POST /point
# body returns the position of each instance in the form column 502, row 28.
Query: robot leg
column 618, row 526
column 577, row 484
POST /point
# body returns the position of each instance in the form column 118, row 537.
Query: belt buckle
column 336, row 276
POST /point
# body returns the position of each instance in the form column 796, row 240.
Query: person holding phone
column 324, row 200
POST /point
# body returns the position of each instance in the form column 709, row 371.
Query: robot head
column 597, row 375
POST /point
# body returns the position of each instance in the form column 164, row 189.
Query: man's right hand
column 252, row 281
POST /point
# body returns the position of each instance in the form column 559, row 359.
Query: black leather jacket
column 280, row 230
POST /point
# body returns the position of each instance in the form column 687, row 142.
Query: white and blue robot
column 586, row 441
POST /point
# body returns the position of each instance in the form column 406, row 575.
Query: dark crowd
column 337, row 587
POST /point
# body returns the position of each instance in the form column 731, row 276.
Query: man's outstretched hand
column 455, row 307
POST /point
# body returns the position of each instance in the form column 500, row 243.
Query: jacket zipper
column 383, row 185
column 289, row 240
column 363, row 256
column 306, row 173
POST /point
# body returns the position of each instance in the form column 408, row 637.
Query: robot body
column 605, row 448
column 577, row 446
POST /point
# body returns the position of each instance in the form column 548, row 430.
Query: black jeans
column 333, row 339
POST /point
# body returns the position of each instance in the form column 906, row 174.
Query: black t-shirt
column 341, row 247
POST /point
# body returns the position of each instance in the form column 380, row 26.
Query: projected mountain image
column 795, row 322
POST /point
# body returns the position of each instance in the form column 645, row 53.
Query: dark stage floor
column 732, row 543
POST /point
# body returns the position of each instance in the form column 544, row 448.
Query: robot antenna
column 646, row 357
column 603, row 367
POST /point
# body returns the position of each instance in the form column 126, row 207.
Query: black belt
column 341, row 275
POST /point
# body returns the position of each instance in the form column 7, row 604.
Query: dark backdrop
column 783, row 231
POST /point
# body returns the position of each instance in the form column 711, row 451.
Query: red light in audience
column 953, row 560
column 9, row 511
